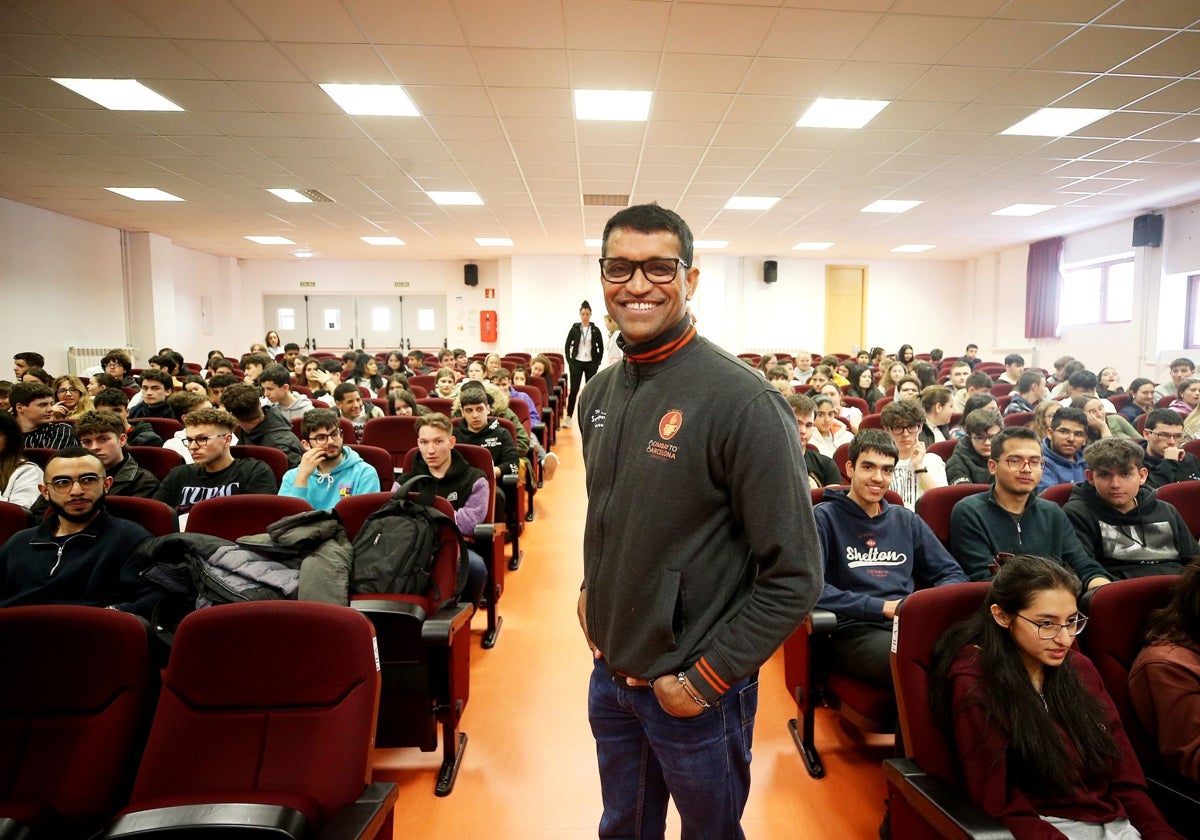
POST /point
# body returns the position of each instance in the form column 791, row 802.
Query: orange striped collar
column 658, row 354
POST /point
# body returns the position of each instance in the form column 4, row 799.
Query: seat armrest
column 370, row 815
column 946, row 810
column 486, row 532
column 821, row 622
column 10, row 829
column 277, row 821
column 441, row 627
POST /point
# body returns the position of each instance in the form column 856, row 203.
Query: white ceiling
column 493, row 80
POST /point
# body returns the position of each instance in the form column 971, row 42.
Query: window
column 287, row 320
column 426, row 320
column 333, row 319
column 381, row 319
column 1191, row 336
column 1101, row 293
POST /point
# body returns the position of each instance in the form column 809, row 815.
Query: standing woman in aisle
column 584, row 351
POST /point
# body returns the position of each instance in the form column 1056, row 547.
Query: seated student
column 1121, row 523
column 893, row 372
column 183, row 402
column 830, row 432
column 402, row 403
column 1014, row 366
column 349, row 402
column 217, row 385
column 926, row 374
column 329, row 471
column 480, row 430
column 101, row 381
column 461, row 360
column 103, row 434
column 1141, row 399
column 820, row 375
column 1164, row 682
column 822, row 472
column 37, row 374
column 1108, row 382
column 1039, row 742
column 1029, row 391
column 5, row 390
column 916, row 470
column 1083, row 383
column 446, row 384
column 968, row 463
column 971, row 355
column 1060, row 373
column 22, row 362
column 167, row 363
column 1180, row 369
column 366, row 373
column 140, row 433
column 117, row 363
column 1187, row 399
column 49, row 564
column 73, row 398
column 803, row 369
column 1101, row 425
column 456, row 481
column 1011, row 519
column 977, row 382
column 862, row 385
column 1062, row 450
column 957, row 379
column 445, row 358
column 156, row 386
column 1165, row 461
column 778, row 376
column 32, row 403
column 19, row 478
column 213, row 471
column 975, row 402
column 848, row 414
column 291, row 351
column 416, row 362
column 259, row 426
column 939, row 409
column 276, row 384
column 253, row 364
column 502, row 380
column 196, row 384
column 875, row 554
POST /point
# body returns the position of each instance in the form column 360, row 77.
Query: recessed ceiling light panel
column 144, row 193
column 841, row 113
column 1023, row 209
column 889, row 205
column 120, row 94
column 1056, row 122
column 812, row 246
column 446, row 197
column 911, row 249
column 292, row 196
column 382, row 240
column 271, row 240
column 628, row 105
column 751, row 202
column 493, row 241
column 372, row 100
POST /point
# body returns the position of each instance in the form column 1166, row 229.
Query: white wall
column 60, row 285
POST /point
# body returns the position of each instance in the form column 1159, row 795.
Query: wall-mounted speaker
column 770, row 271
column 471, row 274
column 1148, row 230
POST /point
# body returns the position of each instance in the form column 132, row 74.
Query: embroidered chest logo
column 668, row 427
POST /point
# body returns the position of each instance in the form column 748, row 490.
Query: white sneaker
column 566, row 422
column 549, row 465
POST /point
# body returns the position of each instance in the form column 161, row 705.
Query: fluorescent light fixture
column 382, row 240
column 1056, row 122
column 120, row 94
column 911, row 249
column 304, row 255
column 593, row 243
column 144, row 193
column 812, row 246
column 271, row 240
column 1023, row 209
column 889, row 205
column 711, row 243
column 631, row 105
column 293, row 196
column 751, row 202
column 372, row 100
column 841, row 113
column 445, row 197
column 494, row 241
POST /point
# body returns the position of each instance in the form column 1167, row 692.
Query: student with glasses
column 1166, row 460
column 1011, row 519
column 916, row 469
column 72, row 399
column 79, row 554
column 213, row 471
column 968, row 463
column 1062, row 450
column 329, row 471
column 1038, row 740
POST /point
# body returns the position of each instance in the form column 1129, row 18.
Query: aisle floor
column 530, row 771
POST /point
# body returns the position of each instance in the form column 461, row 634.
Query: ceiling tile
column 531, row 24
column 242, row 60
column 1174, row 14
column 1113, row 92
column 817, row 34
column 54, row 57
column 1098, row 49
column 509, row 67
column 431, row 65
column 1035, row 89
column 720, row 29
column 1066, row 11
column 324, row 21
column 913, row 38
column 552, row 103
column 1175, row 56
column 1007, row 43
column 955, row 84
column 339, row 63
column 596, row 23
column 702, row 73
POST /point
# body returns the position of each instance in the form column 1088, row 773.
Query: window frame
column 1192, row 340
column 1104, row 266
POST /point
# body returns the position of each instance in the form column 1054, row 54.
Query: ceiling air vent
column 316, row 195
column 603, row 200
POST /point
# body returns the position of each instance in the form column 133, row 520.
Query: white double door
column 335, row 323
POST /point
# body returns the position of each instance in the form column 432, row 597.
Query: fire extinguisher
column 487, row 325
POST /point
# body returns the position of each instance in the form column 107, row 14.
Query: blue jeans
column 647, row 756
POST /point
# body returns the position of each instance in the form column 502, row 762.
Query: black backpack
column 397, row 546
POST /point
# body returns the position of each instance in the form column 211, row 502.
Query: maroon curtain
column 1043, row 279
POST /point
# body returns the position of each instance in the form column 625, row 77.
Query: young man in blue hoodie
column 328, row 471
column 1062, row 450
column 876, row 554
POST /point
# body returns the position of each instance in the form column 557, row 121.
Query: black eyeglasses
column 87, row 481
column 658, row 270
column 1049, row 630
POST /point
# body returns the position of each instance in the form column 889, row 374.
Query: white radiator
column 1026, row 353
column 80, row 359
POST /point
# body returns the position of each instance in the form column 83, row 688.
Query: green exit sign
column 402, row 284
column 308, row 284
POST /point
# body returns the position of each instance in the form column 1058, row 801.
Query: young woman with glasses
column 1039, row 742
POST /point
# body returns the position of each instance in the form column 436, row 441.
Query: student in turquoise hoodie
column 328, row 471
